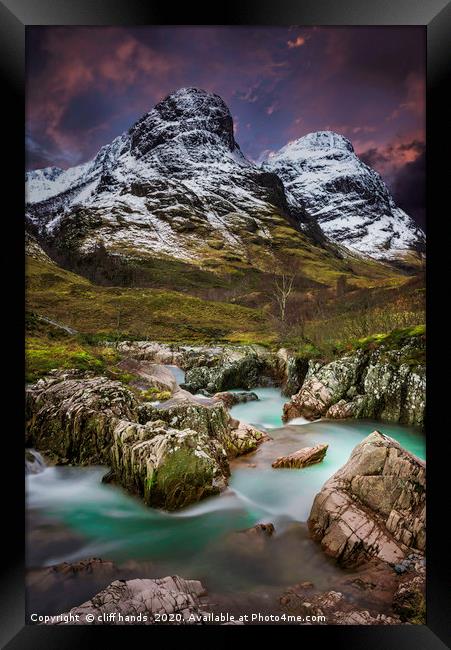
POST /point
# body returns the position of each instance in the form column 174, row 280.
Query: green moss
column 124, row 377
column 45, row 355
column 394, row 340
column 153, row 394
column 183, row 479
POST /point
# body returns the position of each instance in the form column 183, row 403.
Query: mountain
column 323, row 176
column 175, row 185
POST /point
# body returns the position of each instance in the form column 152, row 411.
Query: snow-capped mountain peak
column 349, row 200
column 312, row 142
column 176, row 180
column 177, row 184
column 191, row 116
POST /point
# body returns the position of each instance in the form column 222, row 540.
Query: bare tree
column 285, row 298
column 283, row 288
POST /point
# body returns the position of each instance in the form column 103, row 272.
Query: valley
column 191, row 318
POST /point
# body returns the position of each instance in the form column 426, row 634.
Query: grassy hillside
column 373, row 301
column 222, row 271
column 122, row 312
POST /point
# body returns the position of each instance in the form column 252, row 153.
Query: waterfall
column 34, row 463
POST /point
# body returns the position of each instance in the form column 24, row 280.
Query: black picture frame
column 15, row 16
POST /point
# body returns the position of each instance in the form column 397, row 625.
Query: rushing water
column 72, row 515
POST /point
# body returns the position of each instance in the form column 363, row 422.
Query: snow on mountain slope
column 175, row 184
column 322, row 174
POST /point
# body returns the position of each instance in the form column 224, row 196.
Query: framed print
column 218, row 290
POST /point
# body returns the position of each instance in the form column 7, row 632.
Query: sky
column 86, row 85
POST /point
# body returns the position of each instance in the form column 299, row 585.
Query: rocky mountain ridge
column 349, row 200
column 177, row 185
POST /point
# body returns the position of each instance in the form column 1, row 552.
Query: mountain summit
column 175, row 185
column 191, row 118
column 348, row 199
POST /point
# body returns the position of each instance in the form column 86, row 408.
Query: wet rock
column 151, row 375
column 143, row 600
column 61, row 586
column 244, row 439
column 400, row 568
column 261, row 529
column 208, row 418
column 386, row 384
column 169, row 468
column 333, row 606
column 150, row 351
column 293, row 370
column 302, row 458
column 175, row 456
column 324, row 385
column 204, row 393
column 47, row 577
column 341, row 410
column 231, row 399
column 409, row 601
column 71, row 415
column 250, row 546
column 371, row 590
column 373, row 506
column 244, row 367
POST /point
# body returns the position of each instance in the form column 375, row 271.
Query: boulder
column 382, row 384
column 141, row 601
column 204, row 416
column 244, row 439
column 231, row 399
column 169, row 468
column 243, row 367
column 341, row 410
column 150, row 351
column 293, row 370
column 71, row 415
column 324, row 385
column 171, row 456
column 302, row 458
column 151, row 375
column 373, row 506
column 393, row 390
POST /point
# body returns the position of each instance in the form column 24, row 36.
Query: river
column 72, row 515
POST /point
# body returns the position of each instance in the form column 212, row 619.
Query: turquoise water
column 200, row 541
column 266, row 412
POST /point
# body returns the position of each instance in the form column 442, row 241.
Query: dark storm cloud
column 88, row 110
column 403, row 166
column 86, row 85
column 410, row 191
